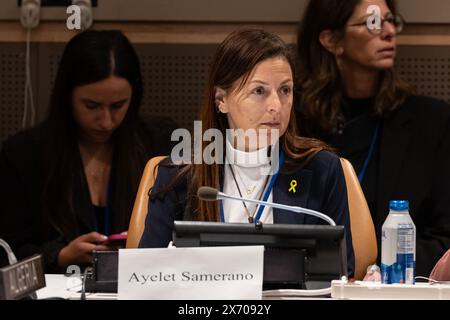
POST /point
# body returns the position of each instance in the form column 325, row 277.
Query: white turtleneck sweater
column 249, row 166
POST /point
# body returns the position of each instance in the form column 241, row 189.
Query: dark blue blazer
column 320, row 186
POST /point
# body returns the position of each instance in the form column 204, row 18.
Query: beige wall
column 414, row 11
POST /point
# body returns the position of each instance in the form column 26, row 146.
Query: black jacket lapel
column 285, row 193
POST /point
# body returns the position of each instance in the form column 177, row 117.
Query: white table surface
column 59, row 286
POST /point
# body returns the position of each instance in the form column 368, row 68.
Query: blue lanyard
column 369, row 154
column 108, row 209
column 266, row 194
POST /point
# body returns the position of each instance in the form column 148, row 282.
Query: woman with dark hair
column 250, row 89
column 351, row 97
column 71, row 181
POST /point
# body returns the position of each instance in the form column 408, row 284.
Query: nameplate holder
column 22, row 278
column 203, row 273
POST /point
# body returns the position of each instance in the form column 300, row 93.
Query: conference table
column 61, row 287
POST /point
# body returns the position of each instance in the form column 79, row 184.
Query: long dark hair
column 89, row 57
column 235, row 59
column 320, row 82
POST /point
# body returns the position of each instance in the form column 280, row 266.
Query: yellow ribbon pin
column 293, row 186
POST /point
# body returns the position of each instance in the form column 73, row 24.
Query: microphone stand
column 221, row 195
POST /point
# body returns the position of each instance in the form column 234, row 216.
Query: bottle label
column 398, row 260
column 405, row 238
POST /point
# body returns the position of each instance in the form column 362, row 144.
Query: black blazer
column 414, row 165
column 21, row 181
column 321, row 187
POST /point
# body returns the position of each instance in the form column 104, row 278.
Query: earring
column 218, row 107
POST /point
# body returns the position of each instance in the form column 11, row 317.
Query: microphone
column 11, row 257
column 212, row 194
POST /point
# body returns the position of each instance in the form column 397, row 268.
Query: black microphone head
column 207, row 193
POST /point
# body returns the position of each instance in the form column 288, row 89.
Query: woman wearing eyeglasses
column 351, row 97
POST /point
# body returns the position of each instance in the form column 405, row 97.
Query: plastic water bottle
column 398, row 245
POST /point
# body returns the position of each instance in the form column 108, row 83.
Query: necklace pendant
column 250, row 219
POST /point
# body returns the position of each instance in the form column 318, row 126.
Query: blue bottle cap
column 399, row 205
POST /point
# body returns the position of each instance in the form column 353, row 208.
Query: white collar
column 245, row 159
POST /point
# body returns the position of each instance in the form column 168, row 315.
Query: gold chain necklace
column 248, row 190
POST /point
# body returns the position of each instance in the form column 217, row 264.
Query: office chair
column 363, row 230
column 137, row 221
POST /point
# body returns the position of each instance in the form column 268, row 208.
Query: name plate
column 204, row 273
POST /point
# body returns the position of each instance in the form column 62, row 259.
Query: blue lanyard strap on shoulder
column 370, row 153
column 266, row 194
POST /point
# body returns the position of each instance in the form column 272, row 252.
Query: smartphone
column 116, row 240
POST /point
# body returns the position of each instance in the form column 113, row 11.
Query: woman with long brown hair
column 70, row 182
column 351, row 97
column 251, row 88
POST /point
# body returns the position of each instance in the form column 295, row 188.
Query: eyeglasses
column 397, row 21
